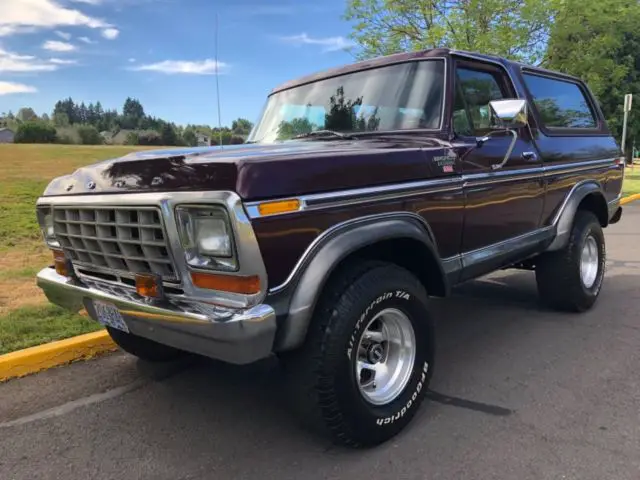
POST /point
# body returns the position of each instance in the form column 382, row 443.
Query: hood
column 257, row 170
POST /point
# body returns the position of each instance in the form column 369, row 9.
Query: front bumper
column 235, row 336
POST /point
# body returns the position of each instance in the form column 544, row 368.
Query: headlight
column 45, row 219
column 206, row 237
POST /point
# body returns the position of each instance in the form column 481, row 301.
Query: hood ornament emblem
column 119, row 184
column 91, row 185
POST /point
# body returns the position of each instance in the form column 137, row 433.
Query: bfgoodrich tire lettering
column 561, row 283
column 323, row 372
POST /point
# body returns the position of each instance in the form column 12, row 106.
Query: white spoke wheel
column 589, row 262
column 386, row 356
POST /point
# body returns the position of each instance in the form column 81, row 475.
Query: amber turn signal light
column 227, row 283
column 60, row 263
column 281, row 206
column 148, row 285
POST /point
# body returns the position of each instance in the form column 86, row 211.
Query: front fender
column 330, row 251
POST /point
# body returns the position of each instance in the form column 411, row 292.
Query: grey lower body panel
column 239, row 336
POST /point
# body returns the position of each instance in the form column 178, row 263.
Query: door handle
column 529, row 156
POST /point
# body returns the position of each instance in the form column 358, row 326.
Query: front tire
column 368, row 357
column 144, row 348
column 571, row 279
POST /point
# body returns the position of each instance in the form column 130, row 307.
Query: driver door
column 501, row 203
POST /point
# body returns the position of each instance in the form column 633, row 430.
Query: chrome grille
column 124, row 240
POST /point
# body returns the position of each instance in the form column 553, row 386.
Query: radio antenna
column 215, row 47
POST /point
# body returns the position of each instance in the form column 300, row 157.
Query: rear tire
column 144, row 348
column 571, row 279
column 347, row 380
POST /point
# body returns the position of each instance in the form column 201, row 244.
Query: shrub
column 89, row 135
column 149, row 137
column 132, row 139
column 236, row 140
column 35, row 132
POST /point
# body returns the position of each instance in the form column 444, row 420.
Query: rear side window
column 561, row 104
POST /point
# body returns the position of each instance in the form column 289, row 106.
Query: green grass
column 631, row 183
column 18, row 223
column 33, row 325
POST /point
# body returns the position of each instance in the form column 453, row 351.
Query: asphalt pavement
column 519, row 392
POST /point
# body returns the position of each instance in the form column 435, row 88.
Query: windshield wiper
column 318, row 133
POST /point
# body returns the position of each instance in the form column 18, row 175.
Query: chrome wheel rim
column 386, row 355
column 589, row 261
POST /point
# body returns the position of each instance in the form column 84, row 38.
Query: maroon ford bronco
column 361, row 192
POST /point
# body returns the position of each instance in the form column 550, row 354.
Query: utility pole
column 628, row 98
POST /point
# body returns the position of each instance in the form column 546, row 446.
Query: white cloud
column 132, row 60
column 63, row 35
column 12, row 62
column 56, row 46
column 89, row 2
column 110, row 33
column 7, row 88
column 61, row 61
column 199, row 67
column 86, row 40
column 330, row 44
column 20, row 16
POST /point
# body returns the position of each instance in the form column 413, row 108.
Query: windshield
column 396, row 97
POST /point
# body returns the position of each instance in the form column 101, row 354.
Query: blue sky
column 162, row 52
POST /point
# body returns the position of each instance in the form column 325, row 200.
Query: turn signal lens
column 60, row 263
column 148, row 285
column 282, row 206
column 227, row 283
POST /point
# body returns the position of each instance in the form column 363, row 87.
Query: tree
column 168, row 135
column 26, row 114
column 133, row 112
column 295, row 127
column 241, row 126
column 35, row 132
column 189, row 137
column 598, row 41
column 511, row 28
column 45, row 118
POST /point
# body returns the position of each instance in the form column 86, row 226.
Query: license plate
column 109, row 315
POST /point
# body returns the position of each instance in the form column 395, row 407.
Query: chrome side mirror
column 510, row 114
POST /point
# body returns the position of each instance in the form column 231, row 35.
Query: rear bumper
column 235, row 336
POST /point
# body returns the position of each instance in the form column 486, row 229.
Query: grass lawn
column 36, row 324
column 26, row 319
column 631, row 183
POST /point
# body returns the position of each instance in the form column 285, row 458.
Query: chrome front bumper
column 235, row 336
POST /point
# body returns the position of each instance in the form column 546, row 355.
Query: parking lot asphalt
column 519, row 392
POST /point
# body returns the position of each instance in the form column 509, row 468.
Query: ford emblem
column 119, row 184
column 91, row 185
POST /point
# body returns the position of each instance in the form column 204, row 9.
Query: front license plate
column 109, row 315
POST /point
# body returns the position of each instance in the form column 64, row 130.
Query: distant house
column 203, row 140
column 6, row 135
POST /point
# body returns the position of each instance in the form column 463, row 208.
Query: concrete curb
column 42, row 357
column 630, row 198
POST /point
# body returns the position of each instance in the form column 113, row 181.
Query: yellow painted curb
column 41, row 357
column 630, row 198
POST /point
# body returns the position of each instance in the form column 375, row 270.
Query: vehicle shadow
column 235, row 412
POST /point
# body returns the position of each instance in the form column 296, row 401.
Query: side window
column 475, row 89
column 561, row 104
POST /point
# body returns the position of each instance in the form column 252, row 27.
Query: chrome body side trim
column 236, row 336
column 342, row 198
column 249, row 256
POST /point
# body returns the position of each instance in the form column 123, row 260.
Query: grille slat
column 122, row 239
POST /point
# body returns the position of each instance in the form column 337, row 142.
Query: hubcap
column 589, row 262
column 386, row 354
